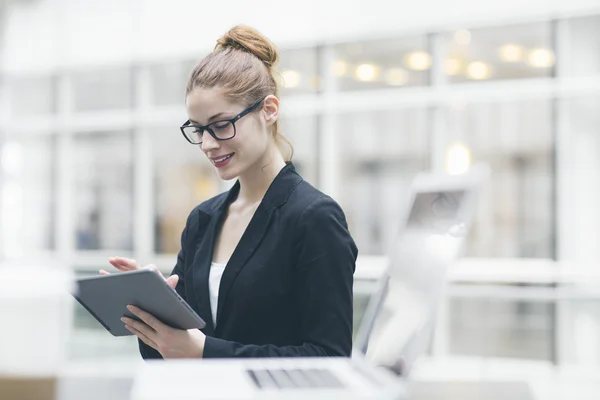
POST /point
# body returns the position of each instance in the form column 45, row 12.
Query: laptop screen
column 430, row 239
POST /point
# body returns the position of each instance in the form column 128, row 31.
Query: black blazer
column 287, row 288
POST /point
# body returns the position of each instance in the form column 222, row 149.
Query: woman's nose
column 208, row 142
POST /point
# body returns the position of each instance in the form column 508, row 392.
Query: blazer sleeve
column 146, row 351
column 326, row 259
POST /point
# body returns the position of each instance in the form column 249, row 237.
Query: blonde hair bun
column 250, row 40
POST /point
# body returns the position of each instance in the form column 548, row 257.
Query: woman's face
column 252, row 141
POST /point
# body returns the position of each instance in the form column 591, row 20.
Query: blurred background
column 93, row 164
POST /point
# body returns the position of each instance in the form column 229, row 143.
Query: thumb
column 172, row 281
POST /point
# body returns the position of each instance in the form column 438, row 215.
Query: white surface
column 36, row 319
column 228, row 379
column 547, row 382
column 214, row 282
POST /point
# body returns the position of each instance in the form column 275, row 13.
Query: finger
column 148, row 318
column 104, row 272
column 172, row 281
column 142, row 337
column 123, row 264
column 154, row 268
column 140, row 326
column 117, row 264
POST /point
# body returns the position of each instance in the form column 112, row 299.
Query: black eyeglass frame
column 233, row 120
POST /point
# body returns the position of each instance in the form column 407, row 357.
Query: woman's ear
column 271, row 109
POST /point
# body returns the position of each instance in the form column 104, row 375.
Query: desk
column 118, row 389
column 113, row 380
column 545, row 380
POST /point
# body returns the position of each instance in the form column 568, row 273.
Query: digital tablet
column 106, row 297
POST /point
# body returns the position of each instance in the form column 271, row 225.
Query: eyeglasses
column 220, row 130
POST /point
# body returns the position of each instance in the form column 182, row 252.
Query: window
column 302, row 132
column 387, row 63
column 515, row 216
column 168, row 82
column 183, row 178
column 500, row 328
column 27, row 182
column 103, row 190
column 298, row 71
column 584, row 46
column 102, row 90
column 506, row 52
column 580, row 330
column 581, row 190
column 30, row 95
column 381, row 153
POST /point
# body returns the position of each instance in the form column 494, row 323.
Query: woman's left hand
column 169, row 342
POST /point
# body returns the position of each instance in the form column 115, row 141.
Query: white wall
column 47, row 34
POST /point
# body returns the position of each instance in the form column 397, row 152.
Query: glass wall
column 103, row 168
column 183, row 178
column 28, row 185
column 499, row 53
column 303, row 134
column 501, row 328
column 582, row 181
column 30, row 96
column 98, row 90
column 298, row 71
column 384, row 63
column 381, row 151
column 583, row 36
column 516, row 215
column 168, row 82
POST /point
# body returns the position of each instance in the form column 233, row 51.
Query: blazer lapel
column 250, row 240
column 276, row 195
column 202, row 262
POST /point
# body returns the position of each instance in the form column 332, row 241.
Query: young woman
column 269, row 264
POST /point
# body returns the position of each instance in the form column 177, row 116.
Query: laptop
column 400, row 317
column 393, row 333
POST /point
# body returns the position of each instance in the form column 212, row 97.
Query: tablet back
column 107, row 296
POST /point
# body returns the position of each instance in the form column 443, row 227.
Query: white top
column 214, row 281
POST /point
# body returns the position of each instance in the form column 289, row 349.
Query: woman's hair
column 242, row 64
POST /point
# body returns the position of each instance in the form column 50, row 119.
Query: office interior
column 93, row 164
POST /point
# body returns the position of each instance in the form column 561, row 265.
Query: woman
column 269, row 264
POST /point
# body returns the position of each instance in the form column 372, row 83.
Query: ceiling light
column 462, row 37
column 396, row 76
column 418, row 60
column 340, row 68
column 540, row 58
column 511, row 52
column 458, row 159
column 452, row 66
column 315, row 82
column 366, row 73
column 478, row 70
column 291, row 78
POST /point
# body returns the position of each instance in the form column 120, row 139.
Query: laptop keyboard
column 298, row 378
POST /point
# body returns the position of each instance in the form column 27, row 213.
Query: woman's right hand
column 122, row 264
column 127, row 265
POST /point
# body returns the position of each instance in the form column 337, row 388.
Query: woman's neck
column 255, row 182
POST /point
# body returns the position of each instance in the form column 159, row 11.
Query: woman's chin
column 226, row 174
